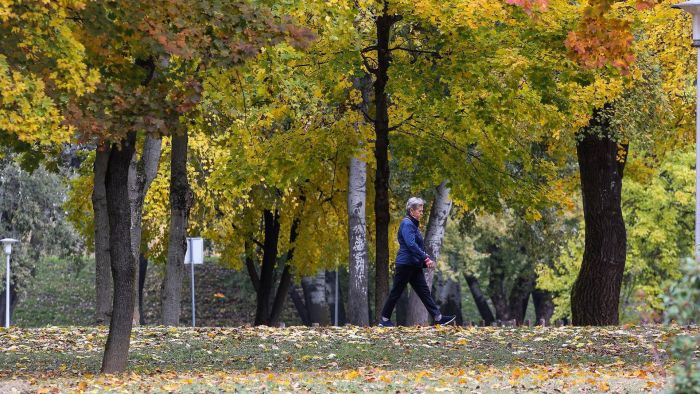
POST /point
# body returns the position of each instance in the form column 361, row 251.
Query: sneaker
column 386, row 323
column 446, row 319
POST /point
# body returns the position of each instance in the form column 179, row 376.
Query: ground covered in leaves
column 346, row 359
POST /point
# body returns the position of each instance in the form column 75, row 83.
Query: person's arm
column 409, row 236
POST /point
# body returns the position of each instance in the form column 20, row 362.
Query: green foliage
column 31, row 210
column 61, row 293
column 683, row 306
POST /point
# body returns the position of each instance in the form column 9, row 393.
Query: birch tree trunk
column 141, row 175
column 358, row 312
column 439, row 212
column 103, row 273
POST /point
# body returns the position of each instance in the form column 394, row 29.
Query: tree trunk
column 285, row 279
column 141, row 175
column 103, row 273
column 595, row 295
column 544, row 306
column 384, row 23
column 272, row 230
column 143, row 268
column 449, row 297
column 315, row 298
column 330, row 296
column 520, row 295
column 439, row 212
column 122, row 261
column 496, row 288
column 298, row 300
column 180, row 202
column 480, row 299
column 358, row 312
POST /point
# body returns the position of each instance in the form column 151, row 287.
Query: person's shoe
column 445, row 320
column 386, row 323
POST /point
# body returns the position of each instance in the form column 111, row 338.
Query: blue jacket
column 411, row 248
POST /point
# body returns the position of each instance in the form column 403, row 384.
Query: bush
column 682, row 304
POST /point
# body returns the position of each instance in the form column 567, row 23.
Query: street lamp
column 693, row 7
column 7, row 245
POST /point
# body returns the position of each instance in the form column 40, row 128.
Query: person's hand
column 430, row 263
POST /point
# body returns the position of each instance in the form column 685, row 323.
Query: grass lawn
column 347, row 359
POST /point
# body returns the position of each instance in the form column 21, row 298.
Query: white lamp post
column 7, row 245
column 693, row 7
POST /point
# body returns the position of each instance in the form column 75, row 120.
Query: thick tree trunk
column 315, row 298
column 496, row 288
column 449, row 297
column 439, row 212
column 272, row 230
column 330, row 296
column 520, row 295
column 480, row 299
column 141, row 175
column 544, row 306
column 180, row 202
column 358, row 312
column 103, row 273
column 384, row 23
column 122, row 261
column 595, row 295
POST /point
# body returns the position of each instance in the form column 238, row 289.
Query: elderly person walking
column 410, row 262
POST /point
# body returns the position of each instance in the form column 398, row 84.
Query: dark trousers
column 404, row 275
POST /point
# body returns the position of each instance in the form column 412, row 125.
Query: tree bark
column 449, row 297
column 285, row 279
column 439, row 212
column 122, row 261
column 298, row 300
column 384, row 22
column 595, row 296
column 143, row 268
column 142, row 172
column 272, row 230
column 520, row 295
column 358, row 312
column 315, row 298
column 544, row 306
column 480, row 299
column 180, row 203
column 103, row 274
column 497, row 285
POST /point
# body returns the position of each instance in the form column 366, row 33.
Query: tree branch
column 435, row 54
column 400, row 123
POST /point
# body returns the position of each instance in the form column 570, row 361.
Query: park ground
column 344, row 359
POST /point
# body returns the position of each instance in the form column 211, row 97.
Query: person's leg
column 421, row 288
column 401, row 279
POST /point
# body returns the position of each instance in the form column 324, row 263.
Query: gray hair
column 414, row 203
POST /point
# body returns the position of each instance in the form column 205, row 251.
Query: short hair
column 413, row 203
